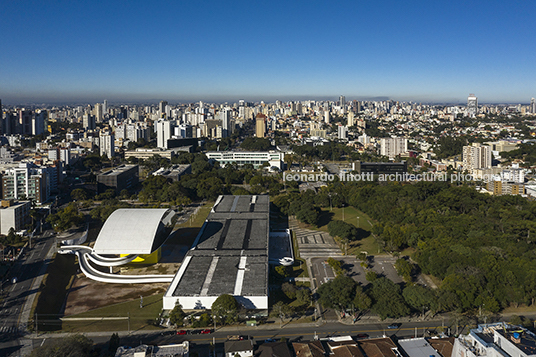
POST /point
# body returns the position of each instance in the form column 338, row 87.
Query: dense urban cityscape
column 267, row 179
column 256, row 222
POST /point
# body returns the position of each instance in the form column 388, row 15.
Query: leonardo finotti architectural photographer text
column 325, row 177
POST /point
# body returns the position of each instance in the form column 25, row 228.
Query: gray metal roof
column 230, row 255
column 132, row 231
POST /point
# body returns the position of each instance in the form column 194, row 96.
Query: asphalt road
column 26, row 269
column 259, row 334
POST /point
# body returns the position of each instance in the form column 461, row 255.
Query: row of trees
column 224, row 310
column 381, row 296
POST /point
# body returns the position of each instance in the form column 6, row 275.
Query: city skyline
column 423, row 52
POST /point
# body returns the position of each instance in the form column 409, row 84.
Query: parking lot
column 382, row 265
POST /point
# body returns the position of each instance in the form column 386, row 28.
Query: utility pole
column 36, row 326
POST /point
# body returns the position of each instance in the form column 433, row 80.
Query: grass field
column 140, row 318
column 351, row 215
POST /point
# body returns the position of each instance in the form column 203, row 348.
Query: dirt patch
column 87, row 294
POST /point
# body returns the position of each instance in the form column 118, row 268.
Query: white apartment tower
column 472, row 105
column 326, row 116
column 164, row 131
column 392, row 147
column 342, row 131
column 98, row 113
column 106, row 144
column 476, row 156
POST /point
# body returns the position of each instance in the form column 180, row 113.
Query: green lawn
column 143, row 318
column 351, row 215
column 366, row 243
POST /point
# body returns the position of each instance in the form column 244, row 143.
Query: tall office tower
column 342, row 101
column 164, row 131
column 392, row 147
column 532, row 106
column 351, row 119
column 472, row 105
column 38, row 123
column 476, row 156
column 105, row 107
column 25, row 121
column 106, row 144
column 260, row 125
column 162, row 108
column 341, row 132
column 98, row 112
column 326, row 117
column 88, row 122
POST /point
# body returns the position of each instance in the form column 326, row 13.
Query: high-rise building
column 476, row 156
column 25, row 121
column 342, row 131
column 472, row 105
column 342, row 101
column 164, row 131
column 26, row 181
column 88, row 122
column 105, row 107
column 98, row 112
column 162, row 108
column 532, row 106
column 392, row 147
column 326, row 116
column 260, row 125
column 351, row 119
column 225, row 116
column 106, row 144
column 38, row 122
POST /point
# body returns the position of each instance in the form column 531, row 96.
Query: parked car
column 206, row 331
column 182, row 332
column 394, row 326
column 195, row 332
column 167, row 332
column 269, row 340
column 362, row 335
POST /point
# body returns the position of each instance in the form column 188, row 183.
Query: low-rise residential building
column 14, row 215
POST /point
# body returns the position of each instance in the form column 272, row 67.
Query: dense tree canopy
column 225, row 308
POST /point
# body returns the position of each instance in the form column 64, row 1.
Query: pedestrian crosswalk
column 314, row 243
column 9, row 329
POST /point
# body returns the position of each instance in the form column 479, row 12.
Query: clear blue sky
column 227, row 50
